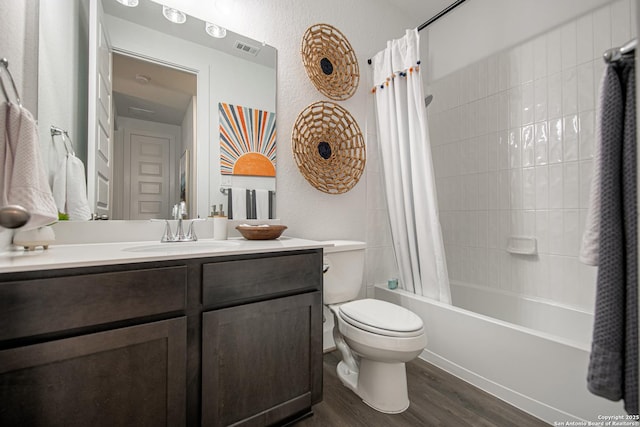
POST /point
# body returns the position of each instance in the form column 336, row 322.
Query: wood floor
column 437, row 399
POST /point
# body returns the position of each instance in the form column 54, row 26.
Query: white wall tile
column 528, row 103
column 515, row 65
column 601, row 31
column 554, row 52
column 526, row 62
column 569, row 45
column 483, row 191
column 556, row 232
column 483, row 153
column 492, row 74
column 542, row 187
column 515, row 106
column 493, row 229
column 571, row 183
column 554, row 95
column 483, row 229
column 504, row 190
column 587, row 134
column 494, row 268
column 584, row 39
column 571, row 235
column 529, row 188
column 503, row 150
column 542, row 231
column 540, row 99
column 586, row 99
column 570, row 138
column 539, row 57
column 620, row 22
column 515, row 148
column 493, row 190
column 516, row 188
column 586, row 176
column 569, row 91
column 528, row 145
column 541, row 143
column 555, row 141
column 556, row 186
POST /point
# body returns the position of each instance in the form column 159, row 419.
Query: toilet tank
column 343, row 279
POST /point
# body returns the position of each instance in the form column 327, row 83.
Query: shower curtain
column 407, row 167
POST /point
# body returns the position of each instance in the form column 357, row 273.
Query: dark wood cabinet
column 260, row 361
column 133, row 376
column 213, row 341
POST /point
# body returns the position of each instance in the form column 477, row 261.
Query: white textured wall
column 360, row 213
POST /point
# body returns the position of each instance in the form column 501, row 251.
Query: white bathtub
column 541, row 371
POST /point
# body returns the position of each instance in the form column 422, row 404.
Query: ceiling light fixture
column 174, row 15
column 215, row 30
column 130, row 3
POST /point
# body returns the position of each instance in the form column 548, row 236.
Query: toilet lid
column 381, row 317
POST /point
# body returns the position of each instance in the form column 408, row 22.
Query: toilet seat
column 381, row 318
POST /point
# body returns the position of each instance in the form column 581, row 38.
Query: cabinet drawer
column 33, row 307
column 229, row 282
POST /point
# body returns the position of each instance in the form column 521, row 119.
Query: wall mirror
column 149, row 133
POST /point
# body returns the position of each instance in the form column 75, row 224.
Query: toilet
column 375, row 338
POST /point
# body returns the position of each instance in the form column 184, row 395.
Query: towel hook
column 5, row 64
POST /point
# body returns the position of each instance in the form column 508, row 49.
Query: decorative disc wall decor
column 330, row 61
column 328, row 147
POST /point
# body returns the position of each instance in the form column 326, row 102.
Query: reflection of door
column 148, row 174
column 99, row 147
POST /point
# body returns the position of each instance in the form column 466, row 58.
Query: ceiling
column 420, row 10
column 149, row 91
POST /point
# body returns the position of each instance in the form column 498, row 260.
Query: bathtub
column 529, row 353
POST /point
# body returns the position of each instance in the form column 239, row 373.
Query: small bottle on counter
column 219, row 224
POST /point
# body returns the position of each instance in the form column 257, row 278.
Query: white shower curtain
column 405, row 151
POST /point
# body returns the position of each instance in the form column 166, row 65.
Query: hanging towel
column 239, row 202
column 589, row 248
column 59, row 185
column 613, row 363
column 77, row 202
column 23, row 180
column 262, row 204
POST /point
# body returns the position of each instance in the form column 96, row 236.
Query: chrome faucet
column 180, row 236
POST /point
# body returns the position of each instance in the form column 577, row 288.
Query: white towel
column 70, row 189
column 239, row 202
column 77, row 202
column 590, row 246
column 262, row 204
column 59, row 186
column 23, row 180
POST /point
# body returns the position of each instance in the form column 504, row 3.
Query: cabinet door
column 261, row 362
column 131, row 376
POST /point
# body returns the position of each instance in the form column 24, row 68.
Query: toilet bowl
column 375, row 338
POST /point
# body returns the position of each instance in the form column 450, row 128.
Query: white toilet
column 375, row 338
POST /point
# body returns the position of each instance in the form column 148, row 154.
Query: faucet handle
column 167, row 235
column 191, row 233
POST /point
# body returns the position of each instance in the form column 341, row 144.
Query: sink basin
column 181, row 247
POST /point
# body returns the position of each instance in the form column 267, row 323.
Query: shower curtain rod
column 436, row 17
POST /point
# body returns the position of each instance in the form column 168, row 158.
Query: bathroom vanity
column 114, row 335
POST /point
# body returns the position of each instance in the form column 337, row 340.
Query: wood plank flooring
column 437, row 399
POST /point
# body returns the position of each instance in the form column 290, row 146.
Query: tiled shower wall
column 512, row 138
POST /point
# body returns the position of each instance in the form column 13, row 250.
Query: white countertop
column 85, row 255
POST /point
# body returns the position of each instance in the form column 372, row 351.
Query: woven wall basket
column 330, row 61
column 328, row 147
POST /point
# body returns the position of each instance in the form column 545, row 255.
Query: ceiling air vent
column 247, row 48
